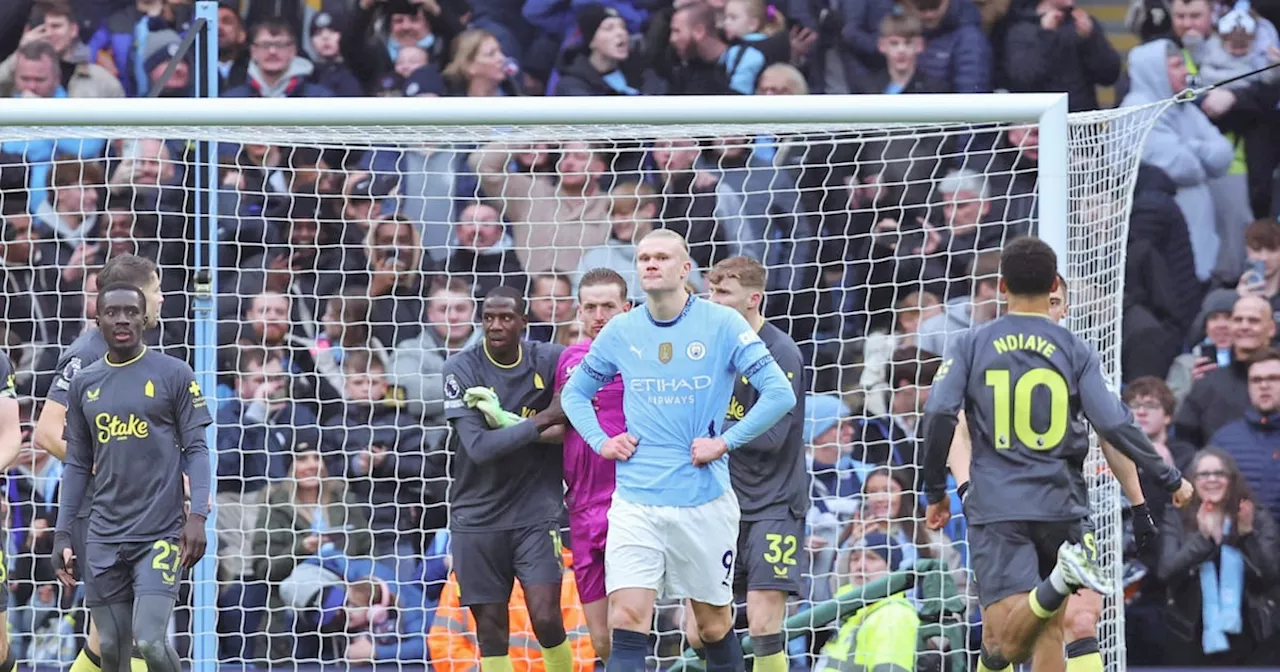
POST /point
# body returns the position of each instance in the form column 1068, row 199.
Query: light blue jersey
column 678, row 378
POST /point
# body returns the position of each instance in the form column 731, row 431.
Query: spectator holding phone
column 1213, row 340
column 1222, row 395
column 1262, row 270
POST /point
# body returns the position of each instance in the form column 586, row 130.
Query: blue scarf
column 1221, row 594
column 393, row 47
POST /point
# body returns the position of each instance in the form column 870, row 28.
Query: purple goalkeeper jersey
column 589, row 478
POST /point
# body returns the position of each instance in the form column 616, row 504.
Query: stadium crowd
column 347, row 275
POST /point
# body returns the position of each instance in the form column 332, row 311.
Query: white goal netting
column 350, row 264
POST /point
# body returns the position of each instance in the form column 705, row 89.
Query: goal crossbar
column 1044, row 108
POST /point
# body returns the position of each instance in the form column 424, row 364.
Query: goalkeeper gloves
column 485, row 400
column 1144, row 528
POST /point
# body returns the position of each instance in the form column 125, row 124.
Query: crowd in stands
column 346, row 275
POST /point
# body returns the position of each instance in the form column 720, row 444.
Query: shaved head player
column 136, row 421
column 1024, row 383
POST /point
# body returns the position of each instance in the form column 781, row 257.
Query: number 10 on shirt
column 1013, row 404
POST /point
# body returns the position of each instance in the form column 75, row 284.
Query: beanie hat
column 424, row 80
column 883, row 546
column 590, row 18
column 160, row 47
column 821, row 413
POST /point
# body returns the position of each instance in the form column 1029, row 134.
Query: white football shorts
column 679, row 551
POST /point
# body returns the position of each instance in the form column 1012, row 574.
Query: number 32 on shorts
column 166, row 560
column 781, row 552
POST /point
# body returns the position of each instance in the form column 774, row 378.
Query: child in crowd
column 758, row 37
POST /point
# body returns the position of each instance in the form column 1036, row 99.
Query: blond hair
column 906, row 26
column 668, row 234
column 465, row 48
column 629, row 198
column 770, row 19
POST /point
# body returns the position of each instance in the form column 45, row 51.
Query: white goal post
column 1083, row 175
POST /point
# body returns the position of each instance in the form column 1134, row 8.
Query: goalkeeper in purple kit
column 588, row 477
column 673, row 524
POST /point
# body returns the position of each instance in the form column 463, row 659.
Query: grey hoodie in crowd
column 936, row 333
column 1184, row 144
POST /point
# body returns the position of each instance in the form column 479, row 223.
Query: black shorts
column 1011, row 557
column 487, row 563
column 116, row 573
column 769, row 555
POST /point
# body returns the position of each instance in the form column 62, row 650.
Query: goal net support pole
column 206, row 78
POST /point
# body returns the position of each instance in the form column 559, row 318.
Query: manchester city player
column 1024, row 383
column 673, row 525
column 135, row 420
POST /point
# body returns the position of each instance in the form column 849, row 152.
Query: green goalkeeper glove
column 485, row 400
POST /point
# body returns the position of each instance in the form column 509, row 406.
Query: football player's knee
column 602, row 644
column 109, row 642
column 548, row 628
column 628, row 616
column 152, row 650
column 715, row 629
column 1081, row 621
column 1018, row 652
column 492, row 644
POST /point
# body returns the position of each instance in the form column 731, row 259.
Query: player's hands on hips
column 708, row 450
column 64, row 560
column 1184, row 493
column 192, row 541
column 1144, row 527
column 938, row 514
column 620, row 447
